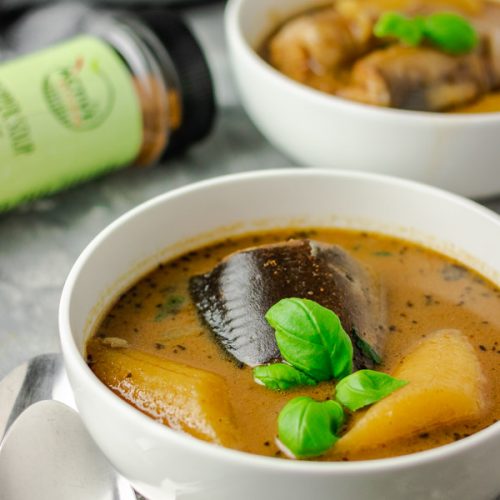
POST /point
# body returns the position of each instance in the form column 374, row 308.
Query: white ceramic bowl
column 456, row 152
column 164, row 464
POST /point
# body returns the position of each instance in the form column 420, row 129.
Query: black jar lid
column 193, row 73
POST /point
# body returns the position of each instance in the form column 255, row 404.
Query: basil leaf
column 280, row 377
column 448, row 32
column 365, row 347
column 172, row 304
column 365, row 387
column 308, row 428
column 393, row 24
column 311, row 338
column 451, row 33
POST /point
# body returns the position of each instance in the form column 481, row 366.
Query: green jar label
column 67, row 113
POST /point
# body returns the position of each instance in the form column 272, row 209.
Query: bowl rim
column 73, row 357
column 234, row 35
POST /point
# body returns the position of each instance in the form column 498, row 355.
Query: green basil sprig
column 451, row 33
column 311, row 338
column 365, row 347
column 280, row 377
column 309, row 428
column 393, row 24
column 448, row 32
column 365, row 387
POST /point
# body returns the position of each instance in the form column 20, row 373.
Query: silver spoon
column 41, row 378
column 48, row 454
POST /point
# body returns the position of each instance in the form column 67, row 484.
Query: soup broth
column 334, row 49
column 426, row 292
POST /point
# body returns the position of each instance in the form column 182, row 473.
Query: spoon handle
column 27, row 384
column 41, row 378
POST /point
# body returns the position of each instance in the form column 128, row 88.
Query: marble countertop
column 40, row 242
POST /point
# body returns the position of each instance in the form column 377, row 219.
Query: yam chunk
column 445, row 387
column 184, row 398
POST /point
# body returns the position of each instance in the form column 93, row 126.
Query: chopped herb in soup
column 319, row 344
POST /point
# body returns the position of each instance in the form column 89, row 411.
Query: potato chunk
column 445, row 387
column 184, row 398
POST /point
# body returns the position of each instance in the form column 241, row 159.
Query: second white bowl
column 456, row 152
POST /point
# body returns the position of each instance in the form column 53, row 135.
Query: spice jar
column 128, row 91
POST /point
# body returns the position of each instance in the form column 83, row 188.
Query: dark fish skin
column 233, row 298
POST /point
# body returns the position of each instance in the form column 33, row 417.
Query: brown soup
column 156, row 321
column 333, row 49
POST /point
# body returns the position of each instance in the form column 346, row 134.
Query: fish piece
column 184, row 398
column 445, row 386
column 418, row 78
column 313, row 47
column 318, row 47
column 233, row 298
column 488, row 27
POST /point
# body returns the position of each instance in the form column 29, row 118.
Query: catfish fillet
column 314, row 46
column 234, row 297
column 488, row 27
column 418, row 78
